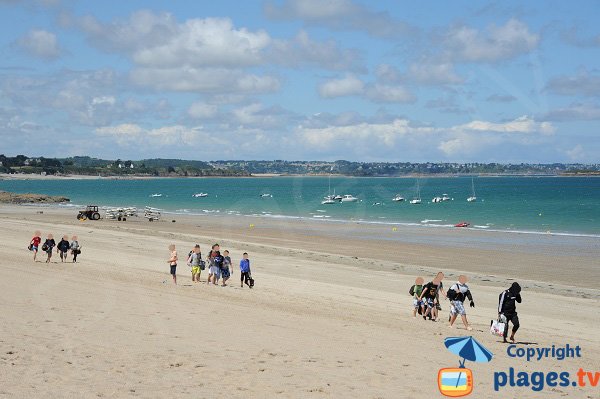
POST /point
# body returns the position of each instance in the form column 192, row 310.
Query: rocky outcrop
column 12, row 198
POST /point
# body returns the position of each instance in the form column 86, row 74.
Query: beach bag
column 411, row 291
column 202, row 264
column 497, row 327
column 30, row 247
column 45, row 247
column 250, row 282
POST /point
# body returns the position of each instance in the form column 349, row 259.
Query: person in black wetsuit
column 507, row 306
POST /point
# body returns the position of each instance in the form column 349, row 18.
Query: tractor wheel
column 119, row 218
column 95, row 216
column 124, row 219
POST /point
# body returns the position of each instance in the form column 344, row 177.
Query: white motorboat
column 445, row 197
column 349, row 198
column 436, row 199
column 266, row 196
column 200, row 195
column 329, row 201
column 398, row 198
column 472, row 198
column 156, row 195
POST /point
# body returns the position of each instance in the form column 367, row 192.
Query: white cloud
column 582, row 84
column 523, row 124
column 465, row 141
column 302, row 50
column 496, row 44
column 339, row 15
column 389, row 94
column 574, row 112
column 215, row 80
column 202, row 110
column 127, row 134
column 40, row 43
column 430, row 73
column 347, row 86
column 577, row 153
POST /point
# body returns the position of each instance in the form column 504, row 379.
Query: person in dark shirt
column 429, row 296
column 507, row 307
column 63, row 248
column 48, row 246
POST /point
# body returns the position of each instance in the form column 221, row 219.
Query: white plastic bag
column 497, row 327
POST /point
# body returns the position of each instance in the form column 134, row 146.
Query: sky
column 435, row 81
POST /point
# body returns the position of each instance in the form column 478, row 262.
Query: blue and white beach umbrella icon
column 469, row 349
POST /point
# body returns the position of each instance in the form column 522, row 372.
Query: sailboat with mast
column 473, row 197
column 417, row 199
column 329, row 199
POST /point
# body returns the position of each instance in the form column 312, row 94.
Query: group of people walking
column 64, row 247
column 220, row 266
column 426, row 302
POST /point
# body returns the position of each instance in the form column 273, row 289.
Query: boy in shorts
column 226, row 269
column 194, row 261
column 417, row 291
column 173, row 262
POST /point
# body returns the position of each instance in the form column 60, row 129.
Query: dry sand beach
column 330, row 316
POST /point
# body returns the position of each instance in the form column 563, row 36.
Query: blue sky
column 301, row 79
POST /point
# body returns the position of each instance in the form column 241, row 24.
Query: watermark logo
column 458, row 381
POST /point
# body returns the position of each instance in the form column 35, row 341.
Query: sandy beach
column 330, row 316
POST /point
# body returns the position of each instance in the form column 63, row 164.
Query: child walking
column 48, row 246
column 63, row 248
column 245, row 271
column 226, row 269
column 417, row 290
column 194, row 261
column 35, row 243
column 173, row 262
column 75, row 248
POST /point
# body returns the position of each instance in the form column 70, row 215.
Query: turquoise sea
column 526, row 204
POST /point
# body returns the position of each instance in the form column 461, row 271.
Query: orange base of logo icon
column 455, row 382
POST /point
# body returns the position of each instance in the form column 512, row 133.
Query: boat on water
column 156, row 195
column 398, row 198
column 462, row 224
column 437, row 199
column 349, row 198
column 200, row 195
column 473, row 197
column 445, row 197
column 417, row 199
column 266, row 196
column 330, row 199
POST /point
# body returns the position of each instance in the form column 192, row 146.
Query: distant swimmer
column 507, row 307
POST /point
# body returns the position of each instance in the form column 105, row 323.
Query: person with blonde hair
column 173, row 262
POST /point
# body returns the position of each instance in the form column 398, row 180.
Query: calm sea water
column 558, row 205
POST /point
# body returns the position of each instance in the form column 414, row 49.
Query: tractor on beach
column 90, row 212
